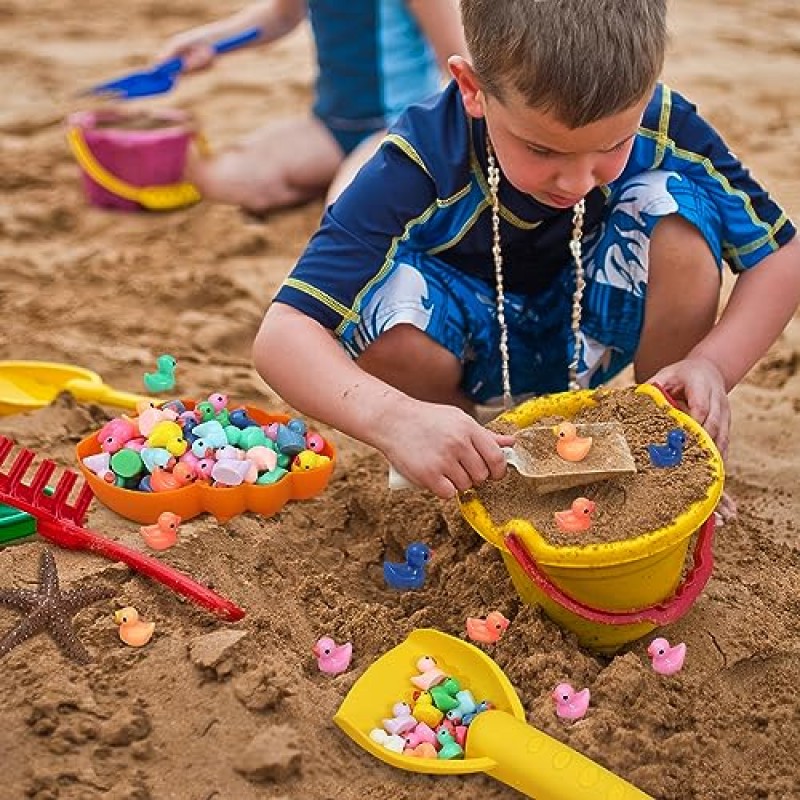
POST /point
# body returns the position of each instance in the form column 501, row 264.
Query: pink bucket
column 120, row 151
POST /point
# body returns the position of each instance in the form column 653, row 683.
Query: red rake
column 62, row 523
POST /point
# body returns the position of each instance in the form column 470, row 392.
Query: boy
column 554, row 216
column 374, row 57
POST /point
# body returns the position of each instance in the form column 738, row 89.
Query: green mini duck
column 450, row 749
column 164, row 379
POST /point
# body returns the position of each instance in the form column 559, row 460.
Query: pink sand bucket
column 133, row 161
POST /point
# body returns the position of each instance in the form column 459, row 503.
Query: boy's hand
column 698, row 384
column 443, row 449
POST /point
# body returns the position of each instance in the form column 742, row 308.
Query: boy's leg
column 353, row 163
column 284, row 163
column 683, row 290
column 408, row 359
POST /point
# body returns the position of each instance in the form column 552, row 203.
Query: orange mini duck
column 489, row 630
column 570, row 446
column 164, row 533
column 162, row 480
column 132, row 630
column 577, row 518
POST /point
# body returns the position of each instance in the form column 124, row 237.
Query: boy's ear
column 471, row 92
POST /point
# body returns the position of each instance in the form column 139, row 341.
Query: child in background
column 374, row 58
column 553, row 216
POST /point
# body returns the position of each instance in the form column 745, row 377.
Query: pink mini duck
column 666, row 660
column 115, row 433
column 332, row 659
column 422, row 733
column 218, row 401
column 569, row 703
column 429, row 674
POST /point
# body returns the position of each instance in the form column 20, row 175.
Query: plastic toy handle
column 540, row 766
column 101, row 393
column 398, row 481
column 237, row 41
column 660, row 614
column 73, row 537
column 175, row 65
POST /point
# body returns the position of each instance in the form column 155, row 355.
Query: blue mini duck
column 411, row 574
column 671, row 453
column 163, row 380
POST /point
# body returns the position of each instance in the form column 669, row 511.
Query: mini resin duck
column 484, row 705
column 308, row 459
column 666, row 660
column 449, row 749
column 422, row 733
column 164, row 533
column 332, row 659
column 422, row 750
column 425, row 711
column 163, row 379
column 429, row 674
column 489, row 630
column 411, row 574
column 401, row 721
column 569, row 703
column 570, row 446
column 671, row 453
column 163, row 481
column 132, row 630
column 391, row 742
column 578, row 518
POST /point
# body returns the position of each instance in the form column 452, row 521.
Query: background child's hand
column 443, row 449
column 193, row 46
column 698, row 385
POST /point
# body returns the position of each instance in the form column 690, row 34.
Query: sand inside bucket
column 627, row 507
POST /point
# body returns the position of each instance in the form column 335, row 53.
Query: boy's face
column 540, row 155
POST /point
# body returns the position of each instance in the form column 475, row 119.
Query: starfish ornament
column 49, row 609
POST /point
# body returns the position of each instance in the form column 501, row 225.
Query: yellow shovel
column 28, row 385
column 499, row 742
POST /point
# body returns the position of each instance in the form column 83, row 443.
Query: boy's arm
column 440, row 21
column 762, row 303
column 438, row 447
column 275, row 18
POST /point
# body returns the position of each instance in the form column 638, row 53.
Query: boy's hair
column 582, row 60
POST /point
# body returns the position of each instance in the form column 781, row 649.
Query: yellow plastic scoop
column 499, row 742
column 28, row 385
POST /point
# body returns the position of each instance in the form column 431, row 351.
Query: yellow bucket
column 613, row 593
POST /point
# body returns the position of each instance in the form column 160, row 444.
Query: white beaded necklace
column 578, row 210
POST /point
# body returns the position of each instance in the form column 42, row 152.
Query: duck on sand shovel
column 535, row 456
column 498, row 742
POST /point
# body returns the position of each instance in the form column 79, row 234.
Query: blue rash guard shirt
column 425, row 191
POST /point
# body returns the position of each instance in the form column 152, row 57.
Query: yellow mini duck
column 163, row 380
column 132, row 630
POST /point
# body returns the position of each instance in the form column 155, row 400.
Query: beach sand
column 208, row 711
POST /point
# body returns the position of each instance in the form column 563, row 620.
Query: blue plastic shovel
column 161, row 78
